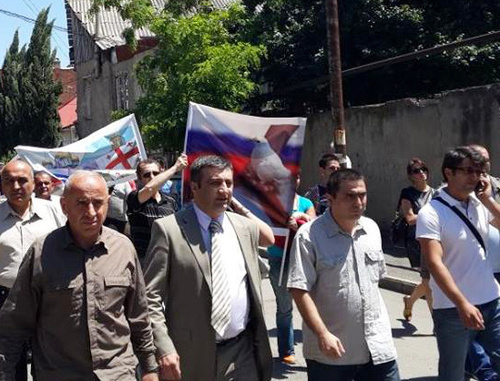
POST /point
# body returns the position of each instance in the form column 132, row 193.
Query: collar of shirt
column 35, row 209
column 332, row 228
column 454, row 202
column 204, row 219
column 69, row 241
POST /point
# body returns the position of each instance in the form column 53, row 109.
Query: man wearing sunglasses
column 452, row 230
column 478, row 363
column 148, row 203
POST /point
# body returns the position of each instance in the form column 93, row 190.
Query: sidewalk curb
column 399, row 285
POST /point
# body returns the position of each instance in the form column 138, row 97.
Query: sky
column 30, row 9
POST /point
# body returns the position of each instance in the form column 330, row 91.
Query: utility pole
column 97, row 50
column 335, row 66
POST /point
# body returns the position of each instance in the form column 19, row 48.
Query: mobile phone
column 480, row 186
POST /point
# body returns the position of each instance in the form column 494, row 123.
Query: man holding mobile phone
column 478, row 363
column 452, row 230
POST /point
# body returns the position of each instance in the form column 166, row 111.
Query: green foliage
column 199, row 58
column 294, row 32
column 28, row 92
column 141, row 13
column 10, row 95
column 398, row 27
column 8, row 156
column 118, row 114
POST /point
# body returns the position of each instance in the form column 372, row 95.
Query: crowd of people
column 121, row 283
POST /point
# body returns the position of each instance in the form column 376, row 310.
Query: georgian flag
column 113, row 151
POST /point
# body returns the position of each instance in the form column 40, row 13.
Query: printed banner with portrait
column 265, row 154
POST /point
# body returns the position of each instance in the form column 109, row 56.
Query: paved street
column 415, row 344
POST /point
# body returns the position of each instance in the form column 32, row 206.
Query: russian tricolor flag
column 265, row 153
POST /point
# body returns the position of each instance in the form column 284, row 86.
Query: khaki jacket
column 177, row 273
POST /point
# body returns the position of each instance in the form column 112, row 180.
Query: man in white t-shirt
column 465, row 292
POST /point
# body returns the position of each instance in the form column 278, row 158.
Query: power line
column 56, row 35
column 36, row 11
column 424, row 53
column 29, row 6
column 30, row 20
column 34, row 6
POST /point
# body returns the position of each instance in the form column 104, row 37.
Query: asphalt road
column 417, row 351
column 416, row 346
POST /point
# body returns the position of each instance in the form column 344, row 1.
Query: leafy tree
column 199, row 58
column 391, row 28
column 28, row 92
column 39, row 91
column 141, row 13
column 294, row 34
column 10, row 96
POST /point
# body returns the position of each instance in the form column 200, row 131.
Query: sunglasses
column 149, row 174
column 414, row 171
column 471, row 170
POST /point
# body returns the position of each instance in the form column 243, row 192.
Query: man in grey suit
column 203, row 284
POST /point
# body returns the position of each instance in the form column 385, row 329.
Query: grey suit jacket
column 177, row 274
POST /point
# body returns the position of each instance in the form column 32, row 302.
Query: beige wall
column 381, row 139
column 103, row 92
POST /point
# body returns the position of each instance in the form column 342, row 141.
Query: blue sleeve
column 304, row 204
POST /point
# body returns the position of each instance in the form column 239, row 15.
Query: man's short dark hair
column 453, row 158
column 327, row 157
column 161, row 162
column 337, row 178
column 144, row 162
column 212, row 161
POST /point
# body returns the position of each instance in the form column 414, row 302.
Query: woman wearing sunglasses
column 412, row 199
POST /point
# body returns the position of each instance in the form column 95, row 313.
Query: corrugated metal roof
column 112, row 25
column 220, row 4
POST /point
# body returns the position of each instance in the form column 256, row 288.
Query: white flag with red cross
column 113, row 151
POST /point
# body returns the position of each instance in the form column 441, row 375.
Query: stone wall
column 97, row 95
column 381, row 138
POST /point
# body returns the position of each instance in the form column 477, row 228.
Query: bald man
column 43, row 185
column 44, row 189
column 80, row 298
column 22, row 219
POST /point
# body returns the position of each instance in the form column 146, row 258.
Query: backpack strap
column 471, row 227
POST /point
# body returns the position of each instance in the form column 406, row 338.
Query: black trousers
column 22, row 365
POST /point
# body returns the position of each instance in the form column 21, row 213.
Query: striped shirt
column 142, row 216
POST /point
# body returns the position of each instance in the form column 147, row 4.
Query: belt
column 232, row 340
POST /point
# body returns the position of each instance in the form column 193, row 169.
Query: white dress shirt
column 235, row 270
column 17, row 233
